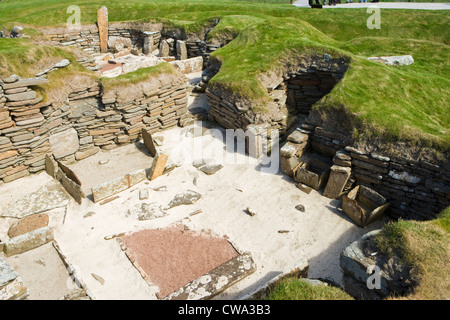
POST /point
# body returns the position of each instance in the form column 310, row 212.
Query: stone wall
column 88, row 38
column 89, row 120
column 415, row 189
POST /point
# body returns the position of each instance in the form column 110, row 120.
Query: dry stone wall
column 88, row 39
column 89, row 120
column 415, row 189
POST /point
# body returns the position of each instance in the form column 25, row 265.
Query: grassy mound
column 426, row 247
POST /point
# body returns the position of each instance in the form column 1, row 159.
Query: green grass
column 298, row 289
column 374, row 101
column 424, row 246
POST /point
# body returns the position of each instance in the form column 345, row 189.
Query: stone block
column 314, row 173
column 336, row 182
column 64, row 143
column 148, row 142
column 158, row 165
column 102, row 23
column 28, row 224
column 363, row 205
column 28, row 241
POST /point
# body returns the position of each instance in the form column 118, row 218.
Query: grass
column 407, row 104
column 137, row 76
column 299, row 289
column 425, row 246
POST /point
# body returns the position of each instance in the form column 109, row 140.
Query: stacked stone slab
column 291, row 152
column 307, row 87
column 415, row 189
column 226, row 112
column 88, row 38
column 30, row 129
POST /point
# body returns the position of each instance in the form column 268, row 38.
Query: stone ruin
column 37, row 135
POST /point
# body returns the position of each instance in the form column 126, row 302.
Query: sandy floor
column 318, row 234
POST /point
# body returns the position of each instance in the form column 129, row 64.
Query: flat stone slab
column 7, row 272
column 183, row 198
column 110, row 188
column 49, row 197
column 28, row 241
column 27, row 224
column 64, row 143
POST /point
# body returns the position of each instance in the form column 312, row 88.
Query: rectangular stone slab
column 25, row 83
column 28, row 241
column 217, row 280
column 159, row 163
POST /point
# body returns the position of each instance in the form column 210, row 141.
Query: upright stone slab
column 148, row 141
column 157, row 168
column 148, row 44
column 28, row 241
column 102, row 23
column 64, row 143
column 164, row 49
column 337, row 181
column 181, row 50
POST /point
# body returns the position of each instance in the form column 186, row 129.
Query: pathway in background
column 383, row 5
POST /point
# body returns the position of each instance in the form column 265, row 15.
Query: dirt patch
column 173, row 257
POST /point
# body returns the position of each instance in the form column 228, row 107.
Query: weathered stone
column 158, row 166
column 80, row 155
column 102, row 23
column 186, row 65
column 11, row 285
column 404, row 60
column 181, row 50
column 28, row 241
column 313, row 173
column 64, row 143
column 211, row 168
column 25, row 83
column 184, row 198
column 28, row 95
column 336, row 182
column 288, row 164
column 49, row 197
column 27, row 224
column 143, row 194
column 117, row 44
column 164, row 49
column 216, row 280
column 404, row 176
column 147, row 211
column 148, row 141
column 297, row 137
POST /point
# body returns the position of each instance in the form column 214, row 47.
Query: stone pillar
column 164, row 48
column 148, row 43
column 181, row 50
column 102, row 24
column 337, row 181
